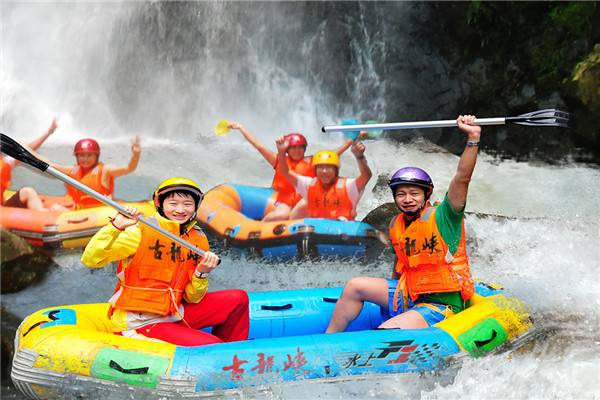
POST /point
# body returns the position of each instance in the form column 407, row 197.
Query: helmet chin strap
column 416, row 212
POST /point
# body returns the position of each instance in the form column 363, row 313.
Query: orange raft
column 68, row 229
column 231, row 215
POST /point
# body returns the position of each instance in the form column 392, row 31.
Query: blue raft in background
column 231, row 216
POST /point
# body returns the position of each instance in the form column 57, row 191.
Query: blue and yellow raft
column 70, row 350
column 231, row 215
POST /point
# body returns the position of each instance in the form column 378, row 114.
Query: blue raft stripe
column 253, row 200
column 61, row 316
column 229, row 365
column 287, row 251
column 340, row 250
column 324, row 226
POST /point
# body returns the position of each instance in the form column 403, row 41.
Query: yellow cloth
column 109, row 245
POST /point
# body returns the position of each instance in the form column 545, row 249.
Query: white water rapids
column 56, row 60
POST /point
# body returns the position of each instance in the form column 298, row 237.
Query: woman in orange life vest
column 162, row 289
column 93, row 173
column 328, row 195
column 295, row 159
column 26, row 197
column 431, row 278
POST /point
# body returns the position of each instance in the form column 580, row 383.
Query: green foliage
column 574, row 19
column 547, row 38
column 566, row 28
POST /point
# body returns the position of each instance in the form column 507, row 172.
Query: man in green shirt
column 431, row 278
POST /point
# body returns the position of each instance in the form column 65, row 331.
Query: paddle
column 221, row 128
column 549, row 117
column 15, row 150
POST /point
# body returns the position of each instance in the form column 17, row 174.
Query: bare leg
column 407, row 320
column 280, row 213
column 29, row 197
column 357, row 291
column 300, row 210
column 59, row 208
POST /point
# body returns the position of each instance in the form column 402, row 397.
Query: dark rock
column 21, row 265
column 8, row 325
column 12, row 246
column 381, row 216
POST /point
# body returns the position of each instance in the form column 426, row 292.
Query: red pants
column 225, row 310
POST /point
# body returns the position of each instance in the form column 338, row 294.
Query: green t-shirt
column 449, row 223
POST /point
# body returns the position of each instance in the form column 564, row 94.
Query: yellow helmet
column 326, row 157
column 173, row 184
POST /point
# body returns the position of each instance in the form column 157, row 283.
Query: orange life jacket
column 5, row 175
column 156, row 277
column 424, row 262
column 93, row 180
column 331, row 203
column 285, row 190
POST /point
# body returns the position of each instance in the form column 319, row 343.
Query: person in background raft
column 26, row 197
column 295, row 159
column 93, row 173
column 431, row 278
column 328, row 195
column 162, row 287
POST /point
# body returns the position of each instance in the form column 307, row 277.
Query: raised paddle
column 549, row 117
column 221, row 128
column 10, row 147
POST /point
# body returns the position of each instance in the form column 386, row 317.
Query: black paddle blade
column 548, row 117
column 11, row 148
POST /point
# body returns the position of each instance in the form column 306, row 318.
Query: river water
column 60, row 59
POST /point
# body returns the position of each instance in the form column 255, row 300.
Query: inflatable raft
column 70, row 351
column 231, row 215
column 69, row 229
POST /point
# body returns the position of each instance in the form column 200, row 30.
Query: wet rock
column 12, row 246
column 21, row 265
column 8, row 328
column 381, row 216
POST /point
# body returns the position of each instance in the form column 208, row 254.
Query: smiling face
column 86, row 160
column 326, row 173
column 179, row 207
column 296, row 153
column 409, row 198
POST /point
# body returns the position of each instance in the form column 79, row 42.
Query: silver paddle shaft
column 110, row 202
column 411, row 125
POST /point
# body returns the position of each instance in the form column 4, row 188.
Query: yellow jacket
column 109, row 245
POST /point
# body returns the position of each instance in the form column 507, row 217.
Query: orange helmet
column 86, row 146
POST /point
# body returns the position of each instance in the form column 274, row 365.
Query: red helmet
column 86, row 146
column 296, row 139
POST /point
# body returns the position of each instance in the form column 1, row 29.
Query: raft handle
column 137, row 371
column 277, row 308
column 330, row 300
column 77, row 221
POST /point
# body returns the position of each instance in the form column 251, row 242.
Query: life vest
column 156, row 277
column 285, row 190
column 93, row 180
column 5, row 175
column 332, row 203
column 424, row 262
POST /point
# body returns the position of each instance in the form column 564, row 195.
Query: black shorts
column 14, row 201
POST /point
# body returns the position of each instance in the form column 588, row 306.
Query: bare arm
column 282, row 146
column 459, row 186
column 358, row 149
column 136, row 151
column 348, row 142
column 41, row 139
column 266, row 153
